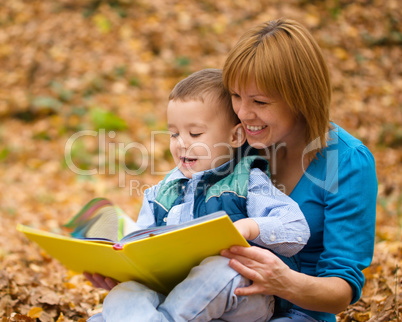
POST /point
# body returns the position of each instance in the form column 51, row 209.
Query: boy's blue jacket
column 241, row 189
column 224, row 189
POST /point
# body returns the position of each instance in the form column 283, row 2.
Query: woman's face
column 266, row 120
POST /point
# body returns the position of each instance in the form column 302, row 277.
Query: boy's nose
column 184, row 143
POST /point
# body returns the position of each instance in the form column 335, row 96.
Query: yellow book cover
column 159, row 257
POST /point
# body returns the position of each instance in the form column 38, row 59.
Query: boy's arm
column 248, row 228
column 146, row 217
column 281, row 224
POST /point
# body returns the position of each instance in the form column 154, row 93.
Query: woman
column 281, row 92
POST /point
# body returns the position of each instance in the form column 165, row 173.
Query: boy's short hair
column 206, row 83
column 284, row 59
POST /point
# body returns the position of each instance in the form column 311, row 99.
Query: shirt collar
column 177, row 174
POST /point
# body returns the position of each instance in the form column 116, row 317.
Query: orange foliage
column 75, row 65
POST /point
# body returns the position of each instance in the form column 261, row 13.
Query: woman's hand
column 101, row 281
column 270, row 275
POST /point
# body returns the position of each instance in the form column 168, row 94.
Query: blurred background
column 80, row 80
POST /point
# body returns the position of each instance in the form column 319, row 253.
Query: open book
column 159, row 257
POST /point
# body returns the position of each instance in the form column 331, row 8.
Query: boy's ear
column 238, row 136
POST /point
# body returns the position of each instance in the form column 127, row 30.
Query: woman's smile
column 254, row 130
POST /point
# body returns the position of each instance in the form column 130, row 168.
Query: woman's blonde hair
column 283, row 58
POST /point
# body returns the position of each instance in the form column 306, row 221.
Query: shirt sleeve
column 283, row 227
column 349, row 223
column 146, row 217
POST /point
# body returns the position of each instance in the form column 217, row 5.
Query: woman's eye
column 194, row 135
column 260, row 102
column 234, row 95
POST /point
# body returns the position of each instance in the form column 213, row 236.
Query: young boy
column 205, row 134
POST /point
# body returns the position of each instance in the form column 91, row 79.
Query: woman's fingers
column 249, row 255
column 260, row 266
column 249, row 290
column 100, row 281
column 244, row 270
column 90, row 278
column 110, row 282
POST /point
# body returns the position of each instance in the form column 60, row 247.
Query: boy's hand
column 248, row 228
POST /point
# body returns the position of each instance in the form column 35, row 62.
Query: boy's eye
column 174, row 135
column 194, row 135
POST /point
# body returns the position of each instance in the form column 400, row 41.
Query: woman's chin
column 256, row 144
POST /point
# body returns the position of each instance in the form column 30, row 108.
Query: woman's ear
column 238, row 136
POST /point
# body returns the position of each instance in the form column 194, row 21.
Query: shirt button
column 272, row 238
column 165, row 219
column 299, row 239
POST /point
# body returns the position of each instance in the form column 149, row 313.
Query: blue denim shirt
column 282, row 225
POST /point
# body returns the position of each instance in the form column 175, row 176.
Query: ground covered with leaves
column 82, row 79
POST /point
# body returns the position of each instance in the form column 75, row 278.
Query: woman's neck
column 287, row 161
column 291, row 148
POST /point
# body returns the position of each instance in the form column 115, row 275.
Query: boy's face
column 200, row 136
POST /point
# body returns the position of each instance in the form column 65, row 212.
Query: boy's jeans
column 206, row 294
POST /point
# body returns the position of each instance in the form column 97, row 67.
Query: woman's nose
column 245, row 112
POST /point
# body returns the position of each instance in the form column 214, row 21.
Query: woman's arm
column 348, row 192
column 271, row 276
